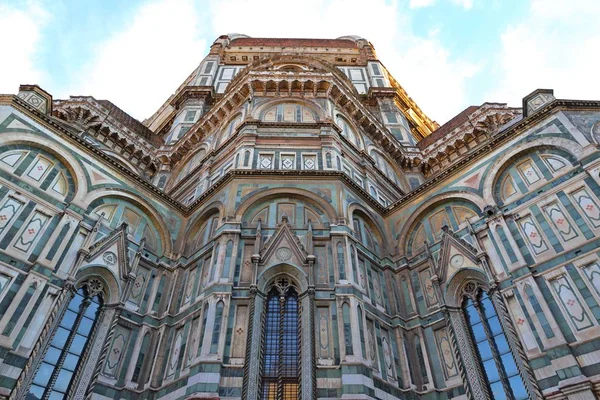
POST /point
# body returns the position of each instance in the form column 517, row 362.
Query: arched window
column 499, row 366
column 281, row 363
column 63, row 357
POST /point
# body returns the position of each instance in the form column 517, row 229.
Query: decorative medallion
column 283, row 254
column 109, row 258
column 457, row 261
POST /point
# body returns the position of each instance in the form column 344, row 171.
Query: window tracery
column 281, row 362
column 63, row 357
column 493, row 351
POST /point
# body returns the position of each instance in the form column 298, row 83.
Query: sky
column 447, row 54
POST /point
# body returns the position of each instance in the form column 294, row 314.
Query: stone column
column 308, row 378
column 251, row 386
column 465, row 352
column 41, row 346
column 96, row 353
column 516, row 346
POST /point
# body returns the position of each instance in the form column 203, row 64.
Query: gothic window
column 281, row 363
column 497, row 361
column 64, row 355
column 328, row 160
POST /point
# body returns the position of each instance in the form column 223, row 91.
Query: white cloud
column 555, row 46
column 420, row 3
column 139, row 67
column 20, row 30
column 466, row 4
column 429, row 73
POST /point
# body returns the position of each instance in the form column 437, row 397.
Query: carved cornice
column 60, row 130
column 85, row 114
column 476, row 129
column 324, row 81
column 494, row 142
column 193, row 92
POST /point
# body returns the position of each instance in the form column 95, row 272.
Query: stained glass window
column 54, row 376
column 281, row 363
column 499, row 366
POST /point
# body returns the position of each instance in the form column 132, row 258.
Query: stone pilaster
column 307, row 351
column 251, row 385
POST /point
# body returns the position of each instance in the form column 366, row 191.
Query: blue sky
column 447, row 54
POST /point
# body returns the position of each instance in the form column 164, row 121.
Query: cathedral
column 289, row 224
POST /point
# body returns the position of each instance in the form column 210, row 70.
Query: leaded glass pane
column 281, row 346
column 68, row 343
column 493, row 350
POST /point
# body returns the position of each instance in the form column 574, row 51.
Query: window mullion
column 282, row 301
column 63, row 355
column 495, row 354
